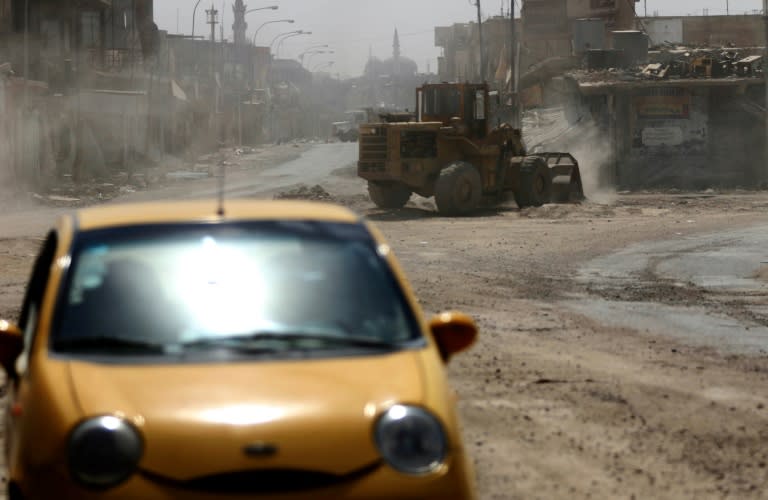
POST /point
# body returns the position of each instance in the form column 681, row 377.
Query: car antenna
column 222, row 179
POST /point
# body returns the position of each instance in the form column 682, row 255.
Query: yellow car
column 267, row 350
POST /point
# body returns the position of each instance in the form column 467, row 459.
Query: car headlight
column 411, row 440
column 104, row 451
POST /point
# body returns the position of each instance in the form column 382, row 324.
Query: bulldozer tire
column 535, row 186
column 389, row 196
column 459, row 189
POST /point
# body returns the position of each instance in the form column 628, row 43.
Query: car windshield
column 259, row 288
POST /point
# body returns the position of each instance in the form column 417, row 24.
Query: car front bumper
column 454, row 481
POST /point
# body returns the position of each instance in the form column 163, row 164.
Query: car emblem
column 260, row 449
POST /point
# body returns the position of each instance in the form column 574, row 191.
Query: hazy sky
column 353, row 27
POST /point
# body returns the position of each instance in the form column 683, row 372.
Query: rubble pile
column 68, row 193
column 304, row 192
column 681, row 62
column 677, row 62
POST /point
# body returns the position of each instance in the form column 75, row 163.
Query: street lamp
column 311, row 50
column 284, row 34
column 280, row 43
column 325, row 46
column 271, row 7
column 329, row 64
column 313, row 54
column 290, row 21
column 194, row 12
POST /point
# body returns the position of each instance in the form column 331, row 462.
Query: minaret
column 396, row 46
column 240, row 25
column 396, row 54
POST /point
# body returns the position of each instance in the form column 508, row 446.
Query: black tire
column 535, row 183
column 458, row 189
column 389, row 196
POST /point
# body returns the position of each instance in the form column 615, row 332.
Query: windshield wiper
column 107, row 343
column 242, row 341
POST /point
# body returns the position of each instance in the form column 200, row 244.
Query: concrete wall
column 460, row 43
column 664, row 30
column 688, row 138
column 619, row 14
column 545, row 20
column 741, row 31
column 548, row 25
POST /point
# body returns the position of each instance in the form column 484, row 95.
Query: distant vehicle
column 452, row 151
column 169, row 351
column 348, row 130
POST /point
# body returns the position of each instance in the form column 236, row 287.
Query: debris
column 304, row 192
column 64, row 199
column 676, row 62
column 186, row 175
column 656, row 70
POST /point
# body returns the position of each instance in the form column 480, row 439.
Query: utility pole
column 25, row 97
column 223, row 10
column 511, row 45
column 480, row 35
column 213, row 20
column 765, row 79
column 513, row 100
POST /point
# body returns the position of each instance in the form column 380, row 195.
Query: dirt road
column 557, row 400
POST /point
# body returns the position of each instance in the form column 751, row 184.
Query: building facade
column 549, row 26
column 705, row 31
column 685, row 133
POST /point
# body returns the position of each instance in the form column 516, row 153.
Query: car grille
column 263, row 481
column 373, row 151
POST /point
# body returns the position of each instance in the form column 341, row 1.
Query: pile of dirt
column 350, row 171
column 304, row 192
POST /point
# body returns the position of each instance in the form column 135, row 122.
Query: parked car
column 273, row 348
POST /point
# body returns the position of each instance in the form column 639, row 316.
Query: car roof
column 169, row 212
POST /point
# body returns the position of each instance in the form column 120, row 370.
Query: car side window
column 36, row 286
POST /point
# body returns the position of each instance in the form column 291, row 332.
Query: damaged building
column 678, row 109
column 687, row 118
column 676, row 102
column 689, row 134
column 659, row 102
column 60, row 58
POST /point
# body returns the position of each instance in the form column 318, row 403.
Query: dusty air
column 445, row 249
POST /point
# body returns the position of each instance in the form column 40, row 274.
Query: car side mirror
column 454, row 332
column 11, row 346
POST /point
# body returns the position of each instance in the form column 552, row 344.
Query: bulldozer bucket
column 566, row 178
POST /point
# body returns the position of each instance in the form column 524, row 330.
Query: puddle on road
column 689, row 325
column 705, row 290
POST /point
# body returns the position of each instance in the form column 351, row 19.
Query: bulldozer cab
column 463, row 106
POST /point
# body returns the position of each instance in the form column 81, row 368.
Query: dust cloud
column 592, row 150
column 563, row 130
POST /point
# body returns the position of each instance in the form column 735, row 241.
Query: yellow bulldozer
column 452, row 148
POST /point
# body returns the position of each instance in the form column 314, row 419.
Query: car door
column 29, row 320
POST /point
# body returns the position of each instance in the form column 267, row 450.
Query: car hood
column 197, row 420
